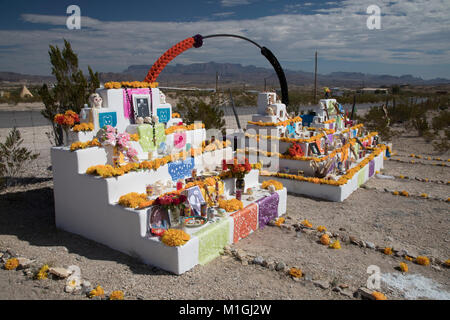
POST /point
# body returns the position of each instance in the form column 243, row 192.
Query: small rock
column 321, row 284
column 347, row 293
column 344, row 238
column 342, row 229
column 400, row 253
column 281, row 266
column 329, row 234
column 343, row 285
column 12, row 253
column 308, row 231
column 271, row 266
column 370, row 245
column 365, row 293
column 69, row 289
column 308, row 277
column 59, row 272
column 265, row 264
column 258, row 260
column 240, row 254
column 436, row 267
column 389, row 239
column 336, row 289
column 25, row 263
column 244, row 262
column 353, row 240
column 362, row 244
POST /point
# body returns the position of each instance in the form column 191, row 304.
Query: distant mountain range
column 229, row 73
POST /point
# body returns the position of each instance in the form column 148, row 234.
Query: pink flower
column 123, row 139
column 110, row 139
column 131, row 153
column 110, row 129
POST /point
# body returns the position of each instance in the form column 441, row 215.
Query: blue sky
column 413, row 38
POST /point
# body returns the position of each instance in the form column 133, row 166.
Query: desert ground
column 372, row 217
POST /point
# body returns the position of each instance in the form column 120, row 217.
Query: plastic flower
column 295, row 272
column 335, row 245
column 378, row 295
column 11, row 264
column 116, row 295
column 387, row 251
column 325, row 239
column 422, row 260
column 403, row 267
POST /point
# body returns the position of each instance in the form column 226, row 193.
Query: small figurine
column 95, row 101
column 139, row 120
column 147, row 120
column 155, row 119
column 269, row 111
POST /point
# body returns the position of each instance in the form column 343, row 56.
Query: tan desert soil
column 421, row 226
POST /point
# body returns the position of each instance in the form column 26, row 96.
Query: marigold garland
column 404, row 267
column 278, row 185
column 116, row 295
column 128, row 84
column 83, row 127
column 296, row 272
column 275, row 124
column 231, row 205
column 175, row 237
column 422, row 260
column 189, row 127
column 378, row 295
column 83, row 145
column 11, row 264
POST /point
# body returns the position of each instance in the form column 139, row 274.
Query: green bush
column 196, row 109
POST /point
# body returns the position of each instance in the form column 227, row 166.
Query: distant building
column 25, row 92
column 374, row 90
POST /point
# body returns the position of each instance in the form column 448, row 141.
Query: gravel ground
column 420, row 226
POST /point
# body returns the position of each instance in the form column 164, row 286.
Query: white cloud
column 223, row 14
column 411, row 33
column 234, row 3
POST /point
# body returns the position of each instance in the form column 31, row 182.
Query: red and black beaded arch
column 197, row 41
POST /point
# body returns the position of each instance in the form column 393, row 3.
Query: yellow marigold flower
column 279, row 221
column 447, row 263
column 387, row 251
column 321, row 228
column 378, row 295
column 401, row 176
column 325, row 239
column 422, row 260
column 278, row 185
column 116, row 295
column 412, row 155
column 405, row 193
column 11, row 264
column 43, row 272
column 231, row 205
column 395, row 193
column 175, row 237
column 335, row 245
column 295, row 272
column 403, row 267
column 409, row 258
column 97, row 292
column 133, row 200
column 424, row 195
column 306, row 223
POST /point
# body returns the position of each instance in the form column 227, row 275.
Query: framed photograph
column 142, row 105
column 158, row 219
column 314, row 148
column 195, row 199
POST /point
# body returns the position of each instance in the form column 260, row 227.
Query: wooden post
column 315, row 79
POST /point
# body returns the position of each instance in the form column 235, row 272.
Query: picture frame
column 142, row 105
column 158, row 219
column 314, row 148
column 195, row 199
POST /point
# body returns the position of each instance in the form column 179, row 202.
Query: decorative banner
column 163, row 114
column 160, row 133
column 212, row 239
column 179, row 139
column 245, row 222
column 181, row 169
column 268, row 209
column 290, row 129
column 371, row 168
column 107, row 119
column 330, row 138
column 146, row 137
column 361, row 176
column 128, row 111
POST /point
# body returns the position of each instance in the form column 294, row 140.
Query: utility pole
column 217, row 80
column 315, row 79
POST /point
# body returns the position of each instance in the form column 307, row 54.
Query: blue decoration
column 163, row 114
column 188, row 146
column 181, row 169
column 290, row 129
column 107, row 119
column 307, row 119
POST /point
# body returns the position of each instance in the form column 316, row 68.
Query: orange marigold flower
column 405, row 193
column 279, row 221
column 97, row 292
column 11, row 264
column 422, row 260
column 325, row 239
column 409, row 258
column 295, row 272
column 175, row 237
column 387, row 251
column 116, row 295
column 378, row 295
column 395, row 193
column 306, row 223
column 321, row 228
column 447, row 263
column 403, row 267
